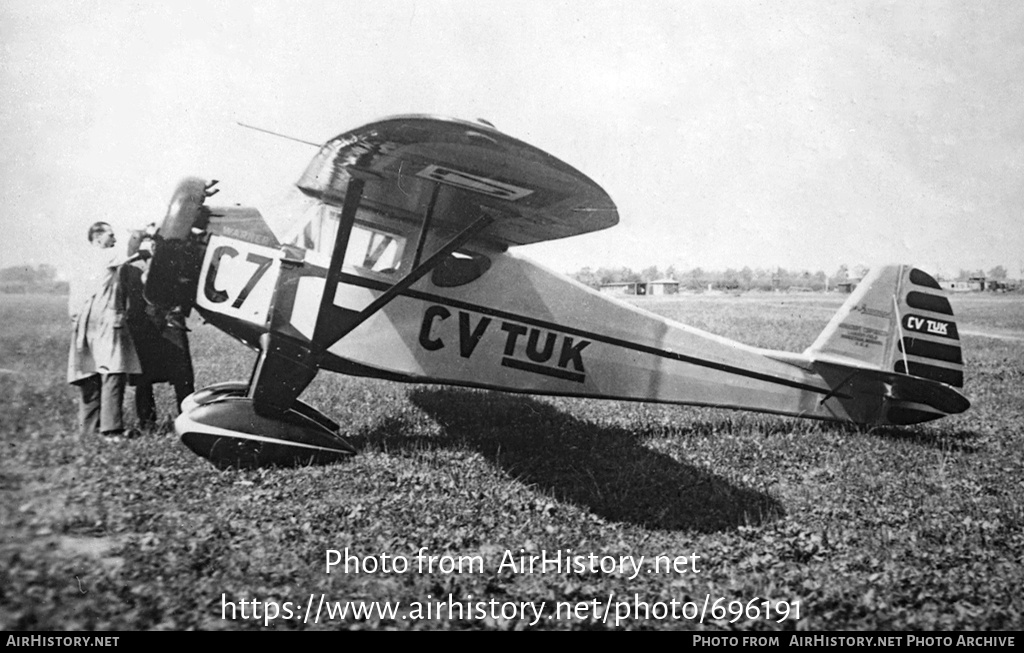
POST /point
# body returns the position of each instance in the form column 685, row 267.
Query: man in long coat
column 102, row 354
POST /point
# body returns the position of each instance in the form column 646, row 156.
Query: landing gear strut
column 244, row 425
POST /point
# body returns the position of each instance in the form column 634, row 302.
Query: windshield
column 370, row 246
column 381, row 244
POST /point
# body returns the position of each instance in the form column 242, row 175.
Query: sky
column 803, row 134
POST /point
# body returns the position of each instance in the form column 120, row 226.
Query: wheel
column 224, row 428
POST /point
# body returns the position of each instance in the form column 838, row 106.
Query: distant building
column 847, row 285
column 971, row 285
column 1003, row 285
column 622, row 288
column 662, row 287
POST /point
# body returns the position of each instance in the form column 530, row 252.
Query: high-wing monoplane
column 400, row 267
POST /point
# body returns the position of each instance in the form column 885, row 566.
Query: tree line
column 748, row 278
column 21, row 279
column 43, row 278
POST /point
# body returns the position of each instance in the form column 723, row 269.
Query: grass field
column 913, row 528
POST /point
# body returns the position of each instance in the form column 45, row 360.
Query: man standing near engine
column 159, row 334
column 102, row 354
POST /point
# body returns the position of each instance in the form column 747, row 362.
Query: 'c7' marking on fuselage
column 609, row 340
column 217, row 296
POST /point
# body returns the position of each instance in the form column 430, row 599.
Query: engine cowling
column 178, row 249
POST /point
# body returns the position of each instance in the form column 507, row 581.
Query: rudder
column 898, row 319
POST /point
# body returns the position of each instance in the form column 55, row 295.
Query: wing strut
column 427, row 219
column 287, row 364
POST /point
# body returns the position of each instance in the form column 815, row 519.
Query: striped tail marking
column 929, row 344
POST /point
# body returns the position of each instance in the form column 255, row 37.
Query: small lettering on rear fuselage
column 527, row 348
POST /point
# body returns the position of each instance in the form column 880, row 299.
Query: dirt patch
column 97, row 548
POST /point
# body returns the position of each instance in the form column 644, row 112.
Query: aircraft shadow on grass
column 604, row 469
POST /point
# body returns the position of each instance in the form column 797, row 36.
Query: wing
column 459, row 169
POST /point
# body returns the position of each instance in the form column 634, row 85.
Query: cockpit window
column 384, row 245
column 318, row 231
column 374, row 250
column 369, row 246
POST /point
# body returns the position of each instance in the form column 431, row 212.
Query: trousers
column 145, row 402
column 101, row 407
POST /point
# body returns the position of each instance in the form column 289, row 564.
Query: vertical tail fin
column 898, row 319
column 893, row 347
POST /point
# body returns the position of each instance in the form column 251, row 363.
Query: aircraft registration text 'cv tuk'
column 400, row 269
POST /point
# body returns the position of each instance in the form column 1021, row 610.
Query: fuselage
column 516, row 326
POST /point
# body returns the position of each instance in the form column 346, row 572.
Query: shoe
column 115, row 436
